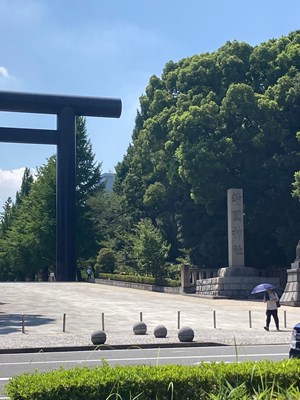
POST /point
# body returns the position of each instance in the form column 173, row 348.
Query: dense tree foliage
column 27, row 181
column 149, row 250
column 6, row 215
column 27, row 245
column 106, row 261
column 212, row 122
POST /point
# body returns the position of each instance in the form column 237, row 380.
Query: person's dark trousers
column 274, row 314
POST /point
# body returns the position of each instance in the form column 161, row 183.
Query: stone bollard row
column 185, row 334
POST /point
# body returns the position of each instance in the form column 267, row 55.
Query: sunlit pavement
column 52, row 314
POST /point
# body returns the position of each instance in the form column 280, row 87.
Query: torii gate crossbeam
column 66, row 109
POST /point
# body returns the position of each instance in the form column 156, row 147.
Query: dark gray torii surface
column 66, row 108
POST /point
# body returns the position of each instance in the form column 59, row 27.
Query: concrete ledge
column 109, row 347
column 141, row 286
column 290, row 303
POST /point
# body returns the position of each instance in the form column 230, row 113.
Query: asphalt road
column 15, row 364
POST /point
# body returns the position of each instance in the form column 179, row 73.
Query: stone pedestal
column 232, row 283
column 291, row 294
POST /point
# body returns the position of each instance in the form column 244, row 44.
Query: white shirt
column 271, row 304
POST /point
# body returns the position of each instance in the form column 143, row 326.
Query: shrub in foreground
column 204, row 381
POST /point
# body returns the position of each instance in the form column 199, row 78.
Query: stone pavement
column 88, row 307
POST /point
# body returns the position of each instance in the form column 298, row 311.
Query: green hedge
column 141, row 279
column 154, row 382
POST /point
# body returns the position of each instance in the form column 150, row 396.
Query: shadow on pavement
column 11, row 323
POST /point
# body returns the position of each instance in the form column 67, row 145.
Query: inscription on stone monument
column 236, row 257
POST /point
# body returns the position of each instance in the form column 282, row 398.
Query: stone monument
column 236, row 280
column 235, row 218
column 236, row 252
column 291, row 294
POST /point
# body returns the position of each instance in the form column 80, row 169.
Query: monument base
column 237, row 271
column 291, row 294
column 232, row 283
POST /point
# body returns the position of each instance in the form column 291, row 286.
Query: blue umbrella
column 262, row 287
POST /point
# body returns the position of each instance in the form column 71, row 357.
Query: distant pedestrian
column 272, row 300
column 89, row 273
column 52, row 277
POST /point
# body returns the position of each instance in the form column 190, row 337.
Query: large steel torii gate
column 66, row 109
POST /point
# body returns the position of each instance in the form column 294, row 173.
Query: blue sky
column 110, row 48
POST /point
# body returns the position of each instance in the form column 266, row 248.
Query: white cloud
column 7, row 82
column 4, row 72
column 10, row 183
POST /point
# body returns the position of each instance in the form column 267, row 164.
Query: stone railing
column 190, row 276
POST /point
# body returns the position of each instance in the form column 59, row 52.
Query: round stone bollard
column 98, row 337
column 160, row 331
column 186, row 334
column 139, row 328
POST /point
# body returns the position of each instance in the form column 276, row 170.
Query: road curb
column 43, row 349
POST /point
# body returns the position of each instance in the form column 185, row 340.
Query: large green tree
column 26, row 184
column 6, row 216
column 29, row 243
column 149, row 249
column 9, row 217
column 212, row 122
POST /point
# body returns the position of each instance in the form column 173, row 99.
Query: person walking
column 89, row 273
column 272, row 300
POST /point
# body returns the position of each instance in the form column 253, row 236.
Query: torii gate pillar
column 66, row 108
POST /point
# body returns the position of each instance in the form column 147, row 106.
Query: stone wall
column 231, row 287
column 141, row 286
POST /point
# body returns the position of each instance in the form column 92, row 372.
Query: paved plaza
column 65, row 314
